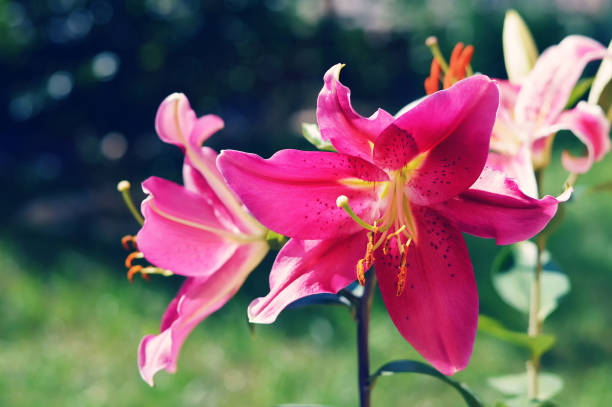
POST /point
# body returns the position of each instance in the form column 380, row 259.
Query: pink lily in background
column 199, row 230
column 533, row 111
column 397, row 195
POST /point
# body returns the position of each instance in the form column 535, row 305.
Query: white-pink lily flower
column 532, row 112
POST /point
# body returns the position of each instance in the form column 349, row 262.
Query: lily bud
column 520, row 52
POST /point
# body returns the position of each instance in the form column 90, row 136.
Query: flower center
column 395, row 226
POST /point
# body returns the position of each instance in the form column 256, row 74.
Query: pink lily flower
column 398, row 194
column 200, row 230
column 532, row 112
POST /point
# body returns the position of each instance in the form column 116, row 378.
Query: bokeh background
column 81, row 84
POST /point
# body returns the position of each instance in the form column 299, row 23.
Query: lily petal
column 547, row 88
column 507, row 135
column 349, row 132
column 195, row 182
column 518, row 167
column 495, row 207
column 589, row 123
column 294, row 192
column 176, row 122
column 190, row 222
column 306, row 267
column 437, row 311
column 197, row 299
column 453, row 128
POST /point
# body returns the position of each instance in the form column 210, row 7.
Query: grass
column 69, row 332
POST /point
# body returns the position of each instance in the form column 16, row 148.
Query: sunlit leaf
column 513, row 273
column 412, row 366
column 579, row 90
column 523, row 401
column 516, row 384
column 311, row 132
column 320, row 299
column 536, row 344
column 520, row 52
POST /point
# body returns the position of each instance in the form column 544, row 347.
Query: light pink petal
column 197, row 299
column 507, row 136
column 453, row 129
column 180, row 230
column 437, row 311
column 294, row 192
column 518, row 167
column 175, row 120
column 195, row 182
column 203, row 128
column 349, row 132
column 176, row 123
column 546, row 90
column 590, row 125
column 494, row 207
column 306, row 267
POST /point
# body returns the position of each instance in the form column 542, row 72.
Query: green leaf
column 513, row 273
column 536, row 344
column 311, row 132
column 579, row 90
column 520, row 52
column 320, row 299
column 412, row 366
column 516, row 385
column 605, row 100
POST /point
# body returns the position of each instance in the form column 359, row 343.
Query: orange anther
column 403, row 271
column 460, row 59
column 130, row 258
column 360, row 272
column 432, row 83
column 401, row 280
column 126, row 240
column 136, row 269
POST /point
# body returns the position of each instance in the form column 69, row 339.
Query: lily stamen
column 128, row 240
column 391, row 236
column 134, row 270
column 146, row 271
column 124, row 187
column 403, row 270
column 131, row 257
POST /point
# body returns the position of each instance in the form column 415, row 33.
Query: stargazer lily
column 532, row 112
column 396, row 195
column 200, row 230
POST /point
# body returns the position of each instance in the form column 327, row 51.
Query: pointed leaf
column 311, row 132
column 516, row 384
column 320, row 299
column 520, row 52
column 605, row 100
column 536, row 344
column 579, row 90
column 513, row 273
column 412, row 366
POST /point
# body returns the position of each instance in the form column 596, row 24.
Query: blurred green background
column 82, row 81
